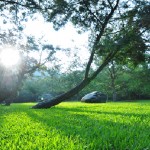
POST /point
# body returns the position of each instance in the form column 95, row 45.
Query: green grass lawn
column 76, row 126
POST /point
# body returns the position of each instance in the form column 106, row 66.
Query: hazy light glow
column 9, row 57
column 66, row 37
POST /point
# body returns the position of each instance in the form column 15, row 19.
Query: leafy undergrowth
column 76, row 126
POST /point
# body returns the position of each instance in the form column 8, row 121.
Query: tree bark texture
column 63, row 97
column 78, row 88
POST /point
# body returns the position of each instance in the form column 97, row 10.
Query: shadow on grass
column 91, row 126
column 73, row 122
column 106, row 112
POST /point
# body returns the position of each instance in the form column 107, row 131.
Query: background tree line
column 116, row 81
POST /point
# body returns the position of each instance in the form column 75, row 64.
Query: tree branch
column 98, row 39
column 35, row 5
column 105, row 62
column 110, row 4
column 99, row 21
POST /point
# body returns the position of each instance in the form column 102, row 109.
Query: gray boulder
column 94, row 97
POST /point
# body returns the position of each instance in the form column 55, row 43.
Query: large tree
column 101, row 18
column 12, row 39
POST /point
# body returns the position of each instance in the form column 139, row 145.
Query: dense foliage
column 117, row 81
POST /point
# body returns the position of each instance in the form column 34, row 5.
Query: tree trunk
column 114, row 95
column 113, row 75
column 78, row 88
column 87, row 78
column 65, row 96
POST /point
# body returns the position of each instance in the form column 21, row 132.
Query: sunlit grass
column 76, row 126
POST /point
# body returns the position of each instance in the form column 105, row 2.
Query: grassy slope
column 76, row 126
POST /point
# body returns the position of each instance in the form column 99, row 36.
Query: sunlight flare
column 9, row 57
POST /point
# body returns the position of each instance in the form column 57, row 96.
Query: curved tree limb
column 87, row 79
